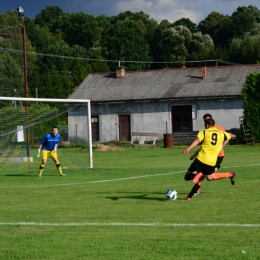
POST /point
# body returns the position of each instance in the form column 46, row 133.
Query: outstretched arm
column 224, row 143
column 227, row 139
column 193, row 144
column 233, row 136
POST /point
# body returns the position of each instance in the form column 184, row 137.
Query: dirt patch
column 108, row 148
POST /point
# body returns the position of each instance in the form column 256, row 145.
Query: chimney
column 204, row 72
column 120, row 72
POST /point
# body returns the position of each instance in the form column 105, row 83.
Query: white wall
column 225, row 113
column 152, row 116
column 78, row 125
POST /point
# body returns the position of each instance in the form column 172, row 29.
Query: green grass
column 118, row 210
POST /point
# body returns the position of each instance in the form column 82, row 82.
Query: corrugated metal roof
column 226, row 81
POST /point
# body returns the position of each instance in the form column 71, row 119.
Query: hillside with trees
column 63, row 48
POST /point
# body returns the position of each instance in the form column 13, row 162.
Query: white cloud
column 171, row 10
column 160, row 9
column 175, row 15
column 195, row 10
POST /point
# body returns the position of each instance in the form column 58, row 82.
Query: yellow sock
column 41, row 169
column 59, row 167
column 222, row 175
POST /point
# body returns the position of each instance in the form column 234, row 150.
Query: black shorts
column 219, row 161
column 192, row 167
column 199, row 166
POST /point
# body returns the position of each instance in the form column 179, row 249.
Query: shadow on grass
column 138, row 197
column 145, row 196
column 27, row 175
column 18, row 175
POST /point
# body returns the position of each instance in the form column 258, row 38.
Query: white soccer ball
column 171, row 194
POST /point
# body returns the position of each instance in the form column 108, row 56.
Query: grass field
column 118, row 210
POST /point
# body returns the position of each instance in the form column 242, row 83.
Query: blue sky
column 171, row 10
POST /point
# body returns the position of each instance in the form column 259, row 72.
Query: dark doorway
column 181, row 118
column 95, row 128
column 124, row 128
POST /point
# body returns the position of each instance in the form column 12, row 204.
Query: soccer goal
column 25, row 121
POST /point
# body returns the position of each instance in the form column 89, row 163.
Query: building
column 160, row 101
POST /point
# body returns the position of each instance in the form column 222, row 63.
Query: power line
column 38, row 68
column 119, row 61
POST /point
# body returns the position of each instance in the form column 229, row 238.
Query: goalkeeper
column 48, row 146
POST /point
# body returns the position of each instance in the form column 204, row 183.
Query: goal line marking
column 130, row 224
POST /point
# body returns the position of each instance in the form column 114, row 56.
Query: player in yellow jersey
column 191, row 173
column 212, row 141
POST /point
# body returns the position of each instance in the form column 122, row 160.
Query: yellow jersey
column 212, row 140
column 222, row 150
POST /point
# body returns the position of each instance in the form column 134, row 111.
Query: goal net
column 25, row 121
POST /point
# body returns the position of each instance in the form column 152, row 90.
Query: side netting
column 25, row 121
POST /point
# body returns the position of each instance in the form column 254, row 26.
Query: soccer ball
column 171, row 194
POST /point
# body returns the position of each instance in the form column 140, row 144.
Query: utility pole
column 20, row 11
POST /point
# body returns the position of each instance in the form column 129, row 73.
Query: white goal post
column 63, row 101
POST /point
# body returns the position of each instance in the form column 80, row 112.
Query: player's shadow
column 18, row 175
column 136, row 197
column 27, row 175
column 143, row 196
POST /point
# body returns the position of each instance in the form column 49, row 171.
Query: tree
column 179, row 44
column 80, row 68
column 145, row 23
column 251, row 105
column 156, row 41
column 188, row 23
column 124, row 41
column 11, row 75
column 10, row 18
column 174, row 43
column 201, row 47
column 244, row 19
column 97, row 66
column 255, row 31
column 11, row 59
column 219, row 27
column 76, row 29
column 48, row 15
column 245, row 50
column 53, row 69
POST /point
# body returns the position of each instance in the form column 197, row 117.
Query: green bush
column 251, row 104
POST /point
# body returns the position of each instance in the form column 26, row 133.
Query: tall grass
column 118, row 210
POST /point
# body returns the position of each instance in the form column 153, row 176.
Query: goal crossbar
column 63, row 101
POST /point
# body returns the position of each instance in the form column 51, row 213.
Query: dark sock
column 194, row 190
